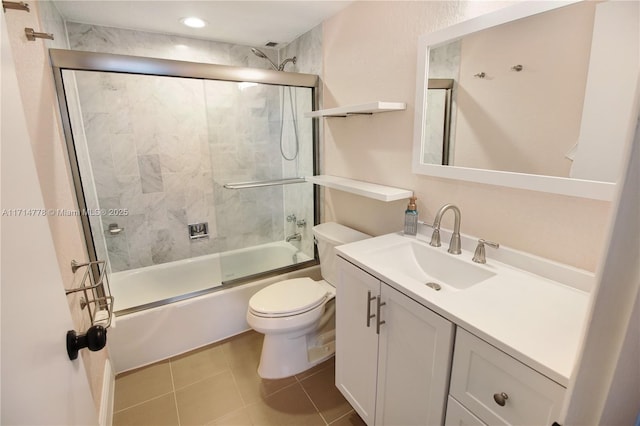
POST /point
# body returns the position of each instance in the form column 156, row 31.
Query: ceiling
column 251, row 23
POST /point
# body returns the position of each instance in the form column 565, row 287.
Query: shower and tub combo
column 195, row 169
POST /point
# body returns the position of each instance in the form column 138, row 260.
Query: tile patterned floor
column 218, row 385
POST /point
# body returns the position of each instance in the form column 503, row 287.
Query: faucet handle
column 479, row 255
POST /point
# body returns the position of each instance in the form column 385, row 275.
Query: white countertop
column 537, row 320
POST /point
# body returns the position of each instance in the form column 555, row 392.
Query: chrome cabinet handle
column 500, row 398
column 369, row 315
column 378, row 322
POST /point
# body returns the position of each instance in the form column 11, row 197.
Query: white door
column 356, row 344
column 39, row 385
column 414, row 360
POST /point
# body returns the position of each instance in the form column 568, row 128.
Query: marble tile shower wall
column 243, row 125
column 163, row 148
column 308, row 50
column 147, row 140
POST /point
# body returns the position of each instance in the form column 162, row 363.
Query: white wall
column 40, row 384
column 605, row 386
column 35, row 81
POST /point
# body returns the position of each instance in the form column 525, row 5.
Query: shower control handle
column 370, row 316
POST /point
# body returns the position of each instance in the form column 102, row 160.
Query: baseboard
column 108, row 390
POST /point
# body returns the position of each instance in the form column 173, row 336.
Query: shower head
column 260, row 54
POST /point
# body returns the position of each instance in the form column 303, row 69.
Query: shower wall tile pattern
column 141, row 146
column 308, row 52
column 164, row 147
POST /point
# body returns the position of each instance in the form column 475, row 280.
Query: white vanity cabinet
column 499, row 390
column 393, row 355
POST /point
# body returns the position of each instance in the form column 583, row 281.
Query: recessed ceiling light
column 193, row 22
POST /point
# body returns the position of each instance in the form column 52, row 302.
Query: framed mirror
column 542, row 96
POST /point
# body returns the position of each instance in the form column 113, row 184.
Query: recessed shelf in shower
column 199, row 230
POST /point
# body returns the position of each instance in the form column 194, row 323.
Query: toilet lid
column 288, row 297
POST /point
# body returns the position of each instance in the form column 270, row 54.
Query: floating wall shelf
column 361, row 109
column 365, row 189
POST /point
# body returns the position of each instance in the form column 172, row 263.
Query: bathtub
column 168, row 282
column 209, row 312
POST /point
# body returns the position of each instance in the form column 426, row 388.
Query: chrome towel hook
column 32, row 35
column 15, row 6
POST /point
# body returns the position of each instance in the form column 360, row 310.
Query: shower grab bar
column 259, row 183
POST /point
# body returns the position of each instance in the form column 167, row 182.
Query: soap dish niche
column 198, row 230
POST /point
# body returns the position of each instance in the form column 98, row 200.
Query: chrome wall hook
column 15, row 6
column 517, row 68
column 75, row 265
column 480, row 75
column 32, row 35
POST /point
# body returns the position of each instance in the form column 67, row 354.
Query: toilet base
column 283, row 356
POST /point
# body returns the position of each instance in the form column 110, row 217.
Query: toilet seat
column 288, row 297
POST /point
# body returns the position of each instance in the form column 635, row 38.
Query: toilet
column 297, row 316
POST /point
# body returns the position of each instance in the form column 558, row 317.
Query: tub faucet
column 454, row 244
column 297, row 237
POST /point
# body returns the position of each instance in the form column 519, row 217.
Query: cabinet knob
column 500, row 398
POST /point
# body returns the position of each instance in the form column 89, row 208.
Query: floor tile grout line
column 175, row 396
column 235, row 383
column 314, row 404
column 203, row 379
column 310, row 375
column 343, row 416
column 142, row 402
column 227, row 414
column 279, row 390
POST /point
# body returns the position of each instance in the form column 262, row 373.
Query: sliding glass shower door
column 173, row 169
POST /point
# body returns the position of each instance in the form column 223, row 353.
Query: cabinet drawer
column 499, row 389
column 457, row 415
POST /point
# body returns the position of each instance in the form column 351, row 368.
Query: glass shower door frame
column 72, row 60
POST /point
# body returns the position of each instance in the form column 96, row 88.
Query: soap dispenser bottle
column 411, row 218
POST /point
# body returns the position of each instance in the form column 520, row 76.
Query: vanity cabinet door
column 414, row 360
column 357, row 342
column 393, row 355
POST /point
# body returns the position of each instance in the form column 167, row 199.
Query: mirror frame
column 551, row 184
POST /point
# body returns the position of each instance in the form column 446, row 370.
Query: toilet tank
column 328, row 236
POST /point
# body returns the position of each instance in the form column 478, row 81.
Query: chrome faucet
column 454, row 244
column 297, row 237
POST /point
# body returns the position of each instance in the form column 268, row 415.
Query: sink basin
column 430, row 265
